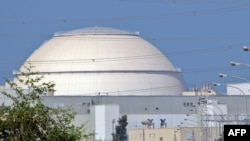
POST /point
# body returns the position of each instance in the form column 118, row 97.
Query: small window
column 88, row 111
column 184, row 104
column 188, row 104
column 191, row 104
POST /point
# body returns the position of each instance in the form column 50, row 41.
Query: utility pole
column 143, row 135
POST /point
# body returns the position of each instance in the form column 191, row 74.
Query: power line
column 132, row 91
column 212, row 69
column 133, row 18
column 178, row 1
column 126, row 58
column 204, row 50
column 93, row 60
column 136, row 57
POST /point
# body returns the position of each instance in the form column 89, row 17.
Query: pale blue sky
column 199, row 36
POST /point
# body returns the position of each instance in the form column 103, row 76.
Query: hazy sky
column 200, row 37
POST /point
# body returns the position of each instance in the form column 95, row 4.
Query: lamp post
column 175, row 138
column 186, row 119
column 210, row 120
column 190, row 124
column 236, row 103
column 113, row 126
column 222, row 75
column 218, row 84
column 193, row 136
column 245, row 48
column 214, row 119
column 206, row 121
column 233, row 63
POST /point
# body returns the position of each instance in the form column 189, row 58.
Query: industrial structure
column 104, row 73
column 105, row 61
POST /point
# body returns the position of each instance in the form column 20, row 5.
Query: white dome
column 105, row 61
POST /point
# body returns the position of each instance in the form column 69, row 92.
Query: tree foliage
column 121, row 130
column 221, row 138
column 29, row 119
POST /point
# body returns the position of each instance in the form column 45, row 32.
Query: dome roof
column 96, row 31
column 98, row 60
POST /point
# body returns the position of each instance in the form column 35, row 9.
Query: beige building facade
column 160, row 134
column 174, row 134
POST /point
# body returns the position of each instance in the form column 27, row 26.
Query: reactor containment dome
column 104, row 61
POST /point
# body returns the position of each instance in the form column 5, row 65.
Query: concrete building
column 104, row 73
column 99, row 112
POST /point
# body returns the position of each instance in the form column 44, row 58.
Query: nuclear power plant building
column 104, row 73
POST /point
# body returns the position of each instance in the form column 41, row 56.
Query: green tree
column 121, row 130
column 28, row 119
column 221, row 138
